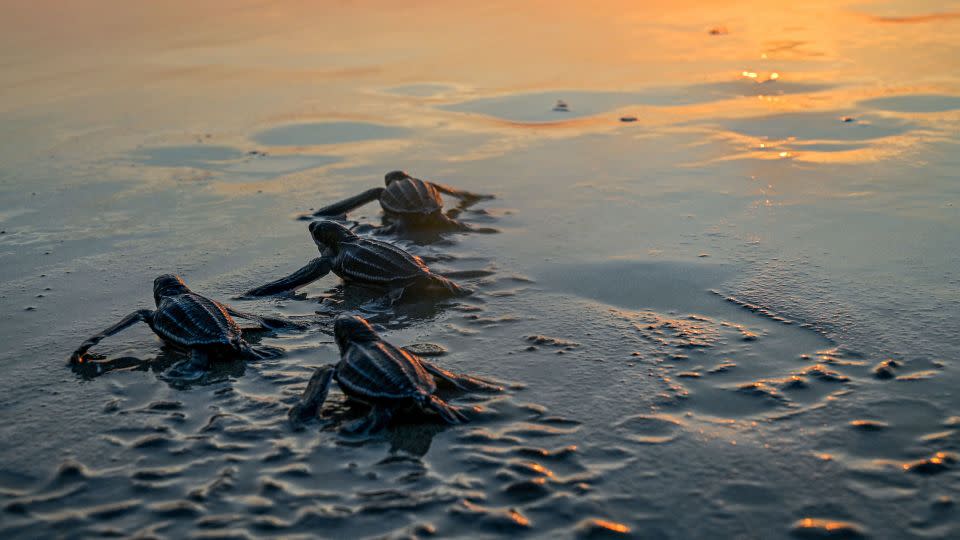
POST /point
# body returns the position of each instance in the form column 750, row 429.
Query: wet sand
column 732, row 317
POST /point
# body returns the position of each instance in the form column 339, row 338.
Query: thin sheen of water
column 733, row 316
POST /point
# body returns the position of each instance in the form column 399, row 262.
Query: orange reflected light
column 540, row 469
column 519, row 518
column 611, row 525
column 825, row 524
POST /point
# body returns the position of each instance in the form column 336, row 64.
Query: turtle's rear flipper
column 468, row 274
column 263, row 352
column 449, row 413
column 466, row 198
column 460, row 381
column 448, row 222
column 445, row 287
column 431, row 286
column 267, row 323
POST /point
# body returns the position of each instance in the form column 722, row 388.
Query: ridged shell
column 379, row 371
column 192, row 320
column 411, row 196
column 377, row 263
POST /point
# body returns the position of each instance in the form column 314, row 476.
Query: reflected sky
column 804, row 156
column 921, row 103
column 286, row 75
column 327, row 133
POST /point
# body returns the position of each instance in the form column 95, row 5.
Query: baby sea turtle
column 362, row 261
column 384, row 377
column 409, row 204
column 190, row 321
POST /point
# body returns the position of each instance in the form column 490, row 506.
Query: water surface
column 733, row 317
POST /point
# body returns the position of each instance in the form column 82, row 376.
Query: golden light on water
column 519, row 518
column 611, row 132
column 815, row 526
column 611, row 526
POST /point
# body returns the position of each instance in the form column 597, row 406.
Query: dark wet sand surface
column 732, row 318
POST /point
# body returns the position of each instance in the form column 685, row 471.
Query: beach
column 722, row 296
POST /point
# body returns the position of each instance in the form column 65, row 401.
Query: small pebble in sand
column 886, row 369
column 426, row 349
column 935, row 464
column 826, row 528
column 547, row 340
column 869, row 425
column 425, row 529
column 943, row 501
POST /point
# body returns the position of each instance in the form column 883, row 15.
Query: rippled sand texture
column 724, row 290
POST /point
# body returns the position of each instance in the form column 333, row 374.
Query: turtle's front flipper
column 459, row 381
column 313, row 271
column 142, row 315
column 267, row 323
column 465, row 197
column 378, row 419
column 343, row 207
column 313, row 397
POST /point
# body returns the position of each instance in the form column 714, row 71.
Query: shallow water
column 690, row 307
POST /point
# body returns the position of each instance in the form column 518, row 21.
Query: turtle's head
column 352, row 328
column 328, row 235
column 168, row 285
column 394, row 176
